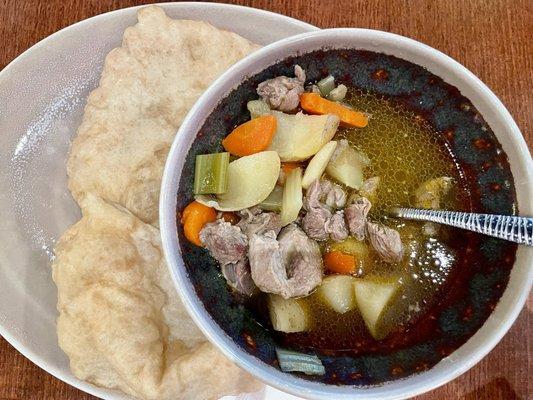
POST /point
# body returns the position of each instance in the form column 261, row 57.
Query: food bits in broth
column 320, row 261
column 405, row 151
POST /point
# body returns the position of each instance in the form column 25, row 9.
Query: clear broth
column 405, row 151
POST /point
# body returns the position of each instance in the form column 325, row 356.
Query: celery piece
column 292, row 361
column 273, row 201
column 326, row 85
column 211, row 173
column 338, row 94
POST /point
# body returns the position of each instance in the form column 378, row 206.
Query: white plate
column 43, row 93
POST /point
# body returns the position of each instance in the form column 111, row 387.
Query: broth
column 404, row 151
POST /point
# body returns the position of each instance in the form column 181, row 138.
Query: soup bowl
column 484, row 140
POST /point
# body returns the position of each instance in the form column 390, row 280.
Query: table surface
column 492, row 38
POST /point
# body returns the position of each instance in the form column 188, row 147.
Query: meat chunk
column 226, row 243
column 239, row 277
column 332, row 195
column 254, row 220
column 314, row 223
column 356, row 214
column 319, row 222
column 429, row 194
column 386, row 241
column 312, row 196
column 336, row 227
column 283, row 93
column 370, row 187
column 290, row 266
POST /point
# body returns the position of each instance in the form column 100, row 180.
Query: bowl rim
column 462, row 359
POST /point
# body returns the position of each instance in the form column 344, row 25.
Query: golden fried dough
column 147, row 87
column 120, row 319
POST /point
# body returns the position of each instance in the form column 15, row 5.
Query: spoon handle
column 512, row 228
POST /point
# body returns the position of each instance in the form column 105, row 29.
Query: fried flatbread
column 121, row 321
column 147, row 87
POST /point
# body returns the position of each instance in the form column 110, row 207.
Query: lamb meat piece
column 314, row 223
column 226, row 242
column 333, row 195
column 356, row 214
column 429, row 194
column 239, row 277
column 254, row 220
column 303, row 261
column 386, row 241
column 312, row 196
column 283, row 93
column 330, row 193
column 336, row 227
column 319, row 222
column 266, row 264
column 290, row 267
column 370, row 187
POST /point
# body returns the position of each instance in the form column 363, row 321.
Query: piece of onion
column 318, row 164
column 292, row 200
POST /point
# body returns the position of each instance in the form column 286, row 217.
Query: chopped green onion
column 292, row 197
column 273, row 201
column 211, row 173
column 257, row 108
column 291, row 361
column 326, row 85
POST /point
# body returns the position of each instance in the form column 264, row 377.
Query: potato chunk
column 288, row 315
column 300, row 136
column 372, row 296
column 337, row 292
column 346, row 165
column 250, row 180
column 318, row 164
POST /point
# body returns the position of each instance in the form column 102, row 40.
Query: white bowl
column 494, row 114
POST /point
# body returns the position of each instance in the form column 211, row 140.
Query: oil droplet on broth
column 405, row 151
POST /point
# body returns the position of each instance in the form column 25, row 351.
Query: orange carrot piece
column 251, row 137
column 193, row 218
column 230, row 217
column 289, row 166
column 314, row 104
column 341, row 263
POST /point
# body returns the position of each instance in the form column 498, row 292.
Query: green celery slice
column 273, row 201
column 211, row 173
column 326, row 85
column 292, row 361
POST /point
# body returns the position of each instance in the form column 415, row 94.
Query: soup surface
column 404, row 152
column 384, row 306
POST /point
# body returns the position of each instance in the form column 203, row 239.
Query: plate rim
column 5, row 73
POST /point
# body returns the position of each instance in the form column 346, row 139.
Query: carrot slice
column 193, row 218
column 341, row 263
column 289, row 166
column 251, row 137
column 314, row 104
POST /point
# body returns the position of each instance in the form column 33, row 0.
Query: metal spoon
column 512, row 228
